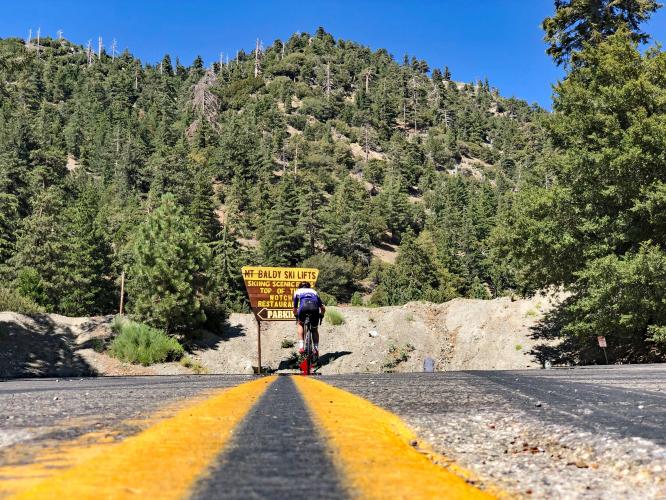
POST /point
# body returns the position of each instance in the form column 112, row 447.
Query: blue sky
column 497, row 39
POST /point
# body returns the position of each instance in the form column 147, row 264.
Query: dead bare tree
column 414, row 99
column 59, row 33
column 257, row 68
column 328, row 81
column 368, row 76
column 114, row 46
column 89, row 52
column 39, row 30
column 99, row 47
column 204, row 102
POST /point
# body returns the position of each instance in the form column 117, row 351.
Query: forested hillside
column 394, row 179
column 311, row 151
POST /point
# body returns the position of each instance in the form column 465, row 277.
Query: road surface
column 588, row 432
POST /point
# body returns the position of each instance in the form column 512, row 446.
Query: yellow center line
column 373, row 451
column 163, row 461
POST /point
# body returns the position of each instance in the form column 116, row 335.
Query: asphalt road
column 622, row 401
column 280, row 449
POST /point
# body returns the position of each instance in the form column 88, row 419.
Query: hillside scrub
column 138, row 343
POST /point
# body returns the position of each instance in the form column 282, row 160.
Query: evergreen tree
column 40, row 250
column 393, row 206
column 347, row 222
column 282, row 240
column 577, row 22
column 596, row 228
column 168, row 276
column 86, row 288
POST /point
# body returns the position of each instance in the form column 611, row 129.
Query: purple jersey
column 306, row 297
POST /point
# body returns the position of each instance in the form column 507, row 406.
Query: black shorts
column 314, row 317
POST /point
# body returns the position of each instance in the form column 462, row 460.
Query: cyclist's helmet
column 304, row 284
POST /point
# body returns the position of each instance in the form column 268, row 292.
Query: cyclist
column 308, row 302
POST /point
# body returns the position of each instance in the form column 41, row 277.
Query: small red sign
column 602, row 341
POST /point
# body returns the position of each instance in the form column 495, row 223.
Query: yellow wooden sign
column 271, row 290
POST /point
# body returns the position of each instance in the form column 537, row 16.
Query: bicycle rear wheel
column 309, row 347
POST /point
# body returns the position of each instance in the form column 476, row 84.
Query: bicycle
column 310, row 357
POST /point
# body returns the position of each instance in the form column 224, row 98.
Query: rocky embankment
column 462, row 334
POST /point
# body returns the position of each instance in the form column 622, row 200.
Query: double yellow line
column 376, row 452
column 162, row 462
column 373, row 451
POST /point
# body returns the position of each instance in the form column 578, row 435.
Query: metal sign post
column 259, row 345
column 602, row 343
column 271, row 291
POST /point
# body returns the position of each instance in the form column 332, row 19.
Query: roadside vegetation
column 11, row 300
column 193, row 365
column 334, row 317
column 142, row 344
column 396, row 355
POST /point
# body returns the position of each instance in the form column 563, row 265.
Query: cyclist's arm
column 322, row 308
column 295, row 304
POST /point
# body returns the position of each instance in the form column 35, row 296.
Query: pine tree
column 86, row 288
column 8, row 225
column 41, row 249
column 579, row 21
column 168, row 276
column 393, row 206
column 347, row 226
column 282, row 239
column 597, row 230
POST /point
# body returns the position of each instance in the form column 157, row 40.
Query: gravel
column 538, row 434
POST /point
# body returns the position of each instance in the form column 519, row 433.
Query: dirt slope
column 462, row 334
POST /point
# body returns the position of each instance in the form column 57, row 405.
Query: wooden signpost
column 271, row 291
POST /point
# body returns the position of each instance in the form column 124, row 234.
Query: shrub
column 321, row 109
column 356, row 299
column 397, row 355
column 335, row 318
column 195, row 366
column 97, row 345
column 139, row 343
column 531, row 313
column 327, row 299
column 10, row 300
column 297, row 121
column 287, row 344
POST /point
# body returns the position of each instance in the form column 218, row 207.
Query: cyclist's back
column 307, row 303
